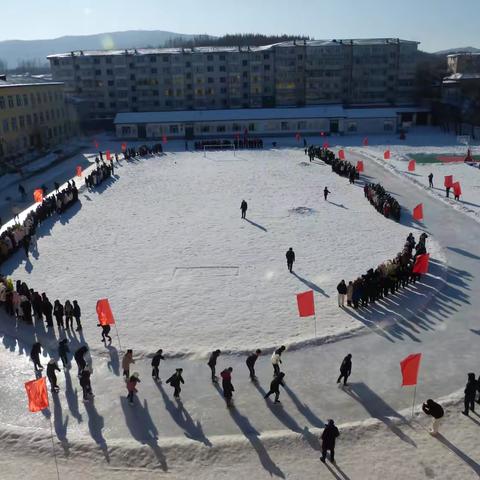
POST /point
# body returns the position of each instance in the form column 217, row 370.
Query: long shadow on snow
column 304, row 409
column 256, row 225
column 461, row 455
column 60, row 424
column 95, row 427
column 310, row 284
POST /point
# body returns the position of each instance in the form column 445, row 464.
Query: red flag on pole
column 107, row 153
column 410, row 367
column 360, row 166
column 411, row 166
column 297, row 136
column 457, row 189
column 365, row 142
column 341, row 154
column 104, row 312
column 38, row 195
column 322, row 133
column 418, row 212
column 421, row 263
column 326, row 145
column 124, row 146
column 95, row 143
column 306, row 304
column 164, row 139
column 79, row 171
column 386, row 155
column 37, row 394
column 448, row 182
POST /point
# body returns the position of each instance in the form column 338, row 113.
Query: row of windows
column 24, row 100
column 13, row 124
column 24, row 142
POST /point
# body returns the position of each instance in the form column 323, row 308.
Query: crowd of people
column 387, row 278
column 340, row 167
column 100, row 173
column 383, row 202
column 142, row 150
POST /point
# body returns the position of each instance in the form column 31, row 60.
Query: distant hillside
column 15, row 51
column 458, row 50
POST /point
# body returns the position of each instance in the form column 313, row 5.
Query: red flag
column 410, row 367
column 457, row 189
column 37, row 394
column 124, row 147
column 365, row 142
column 95, row 143
column 38, row 195
column 326, row 145
column 107, row 154
column 297, row 136
column 306, row 304
column 104, row 312
column 79, row 171
column 341, row 154
column 360, row 166
column 418, row 212
column 164, row 139
column 411, row 166
column 386, row 155
column 421, row 263
column 322, row 133
column 448, row 183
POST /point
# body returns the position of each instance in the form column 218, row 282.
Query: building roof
column 213, row 49
column 458, row 77
column 25, row 80
column 246, row 114
column 463, row 54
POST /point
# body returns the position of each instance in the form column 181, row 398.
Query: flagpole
column 414, row 395
column 118, row 337
column 53, row 447
column 315, row 323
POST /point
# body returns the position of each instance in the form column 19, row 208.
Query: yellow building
column 34, row 118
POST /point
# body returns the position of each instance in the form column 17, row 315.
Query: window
column 35, row 119
column 210, row 68
column 210, row 80
column 98, row 72
column 109, row 71
column 111, row 83
column 220, row 128
column 29, row 120
column 47, row 115
column 2, row 103
column 236, row 127
column 387, row 126
column 209, row 58
column 45, row 99
column 39, row 98
column 126, row 130
column 284, row 126
column 251, row 127
column 352, row 127
column 32, row 99
column 153, row 70
column 302, row 125
column 6, row 127
column 25, row 100
column 108, row 60
column 222, row 68
column 266, row 67
column 165, row 58
column 10, row 101
column 244, row 63
column 21, row 121
column 19, row 101
column 205, row 129
column 153, row 59
column 173, row 129
column 41, row 117
column 50, row 98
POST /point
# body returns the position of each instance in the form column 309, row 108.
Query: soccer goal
column 464, row 139
column 218, row 147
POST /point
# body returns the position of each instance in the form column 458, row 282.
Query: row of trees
column 33, row 67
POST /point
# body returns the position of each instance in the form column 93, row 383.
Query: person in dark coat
column 470, row 394
column 35, row 355
column 26, row 244
column 68, row 310
column 329, row 435
column 430, row 180
column 52, row 366
column 251, row 359
column 62, row 352
column 176, row 381
column 325, row 193
column 37, row 304
column 79, row 358
column 77, row 313
column 290, row 259
column 27, row 310
column 47, row 309
column 86, row 385
column 275, row 387
column 227, row 385
column 342, row 291
column 212, row 363
column 345, row 369
column 156, row 363
column 243, row 208
column 436, row 411
column 58, row 313
column 105, row 333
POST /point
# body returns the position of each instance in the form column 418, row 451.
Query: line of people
column 340, row 167
column 383, row 202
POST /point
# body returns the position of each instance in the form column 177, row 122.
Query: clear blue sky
column 437, row 24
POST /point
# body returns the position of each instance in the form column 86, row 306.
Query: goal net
column 210, row 147
column 463, row 139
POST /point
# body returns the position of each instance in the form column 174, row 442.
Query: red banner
column 341, row 154
column 386, row 155
column 421, row 263
column 418, row 212
column 124, row 147
column 78, row 171
column 95, row 143
column 297, row 136
column 164, row 139
column 360, row 166
column 38, row 195
column 410, row 367
column 37, row 394
column 104, row 312
column 365, row 142
column 448, row 182
column 457, row 189
column 306, row 304
column 107, row 154
column 411, row 166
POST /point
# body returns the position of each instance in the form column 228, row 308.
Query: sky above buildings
column 437, row 24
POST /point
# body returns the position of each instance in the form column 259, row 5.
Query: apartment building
column 467, row 62
column 289, row 74
column 34, row 116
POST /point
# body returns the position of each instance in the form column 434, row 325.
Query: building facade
column 463, row 63
column 33, row 117
column 294, row 74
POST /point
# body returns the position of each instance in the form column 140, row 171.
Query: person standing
column 105, row 333
column 325, row 193
column 35, row 356
column 132, row 387
column 227, row 385
column 436, row 411
column 77, row 313
column 52, row 366
column 62, row 352
column 290, row 259
column 349, row 293
column 126, row 362
column 243, row 208
column 329, row 435
column 176, row 381
column 68, row 309
column 251, row 359
column 156, row 363
column 342, row 291
column 470, row 394
column 58, row 313
column 79, row 358
column 275, row 387
column 26, row 244
column 277, row 360
column 212, row 363
column 47, row 309
column 345, row 369
column 430, row 180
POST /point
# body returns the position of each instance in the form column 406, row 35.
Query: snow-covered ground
column 165, row 243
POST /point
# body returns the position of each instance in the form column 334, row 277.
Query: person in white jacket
column 277, row 360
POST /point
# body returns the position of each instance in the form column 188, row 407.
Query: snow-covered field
column 165, row 243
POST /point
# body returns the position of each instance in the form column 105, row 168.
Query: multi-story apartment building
column 464, row 62
column 348, row 72
column 34, row 116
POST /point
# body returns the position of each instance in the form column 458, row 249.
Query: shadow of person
column 142, row 428
column 477, row 332
column 304, row 409
column 378, row 408
column 341, row 475
column 182, row 418
column 310, row 284
column 462, row 455
column 60, row 425
column 340, row 205
column 256, row 225
column 28, row 265
column 95, row 427
column 72, row 397
column 460, row 251
column 113, row 364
